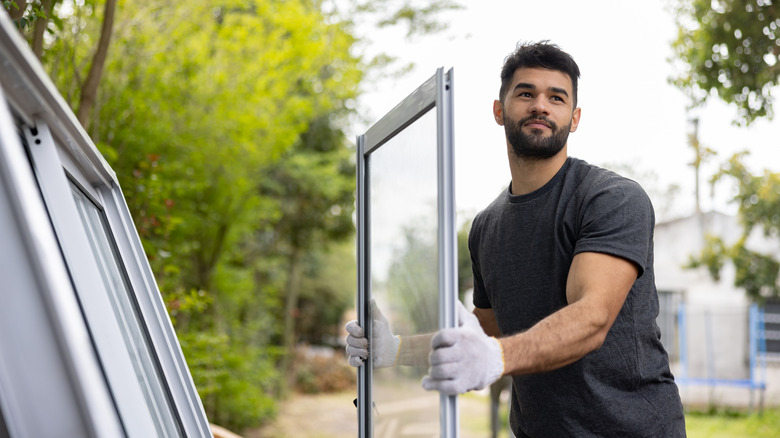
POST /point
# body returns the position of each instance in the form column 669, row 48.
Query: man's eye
column 558, row 98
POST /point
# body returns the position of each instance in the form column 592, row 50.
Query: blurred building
column 709, row 343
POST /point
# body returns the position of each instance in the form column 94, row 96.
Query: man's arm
column 414, row 350
column 487, row 319
column 596, row 289
column 388, row 349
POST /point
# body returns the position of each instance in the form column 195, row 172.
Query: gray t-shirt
column 521, row 250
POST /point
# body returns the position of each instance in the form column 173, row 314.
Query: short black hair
column 540, row 54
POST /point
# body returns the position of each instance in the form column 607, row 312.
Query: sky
column 631, row 116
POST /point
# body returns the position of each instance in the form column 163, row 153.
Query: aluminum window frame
column 436, row 93
column 52, row 237
column 48, row 367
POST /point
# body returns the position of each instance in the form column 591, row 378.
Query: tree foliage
column 758, row 198
column 33, row 18
column 206, row 108
column 418, row 18
column 412, row 281
column 729, row 49
column 54, row 20
column 312, row 186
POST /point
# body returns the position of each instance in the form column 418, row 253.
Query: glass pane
column 403, row 256
column 134, row 336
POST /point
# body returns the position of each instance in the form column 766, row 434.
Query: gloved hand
column 463, row 358
column 384, row 352
column 357, row 344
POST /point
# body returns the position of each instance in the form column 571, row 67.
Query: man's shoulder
column 491, row 211
column 588, row 177
column 598, row 191
column 498, row 202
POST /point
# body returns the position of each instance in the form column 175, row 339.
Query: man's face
column 537, row 113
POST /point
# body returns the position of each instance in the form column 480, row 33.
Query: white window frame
column 51, row 383
column 96, row 389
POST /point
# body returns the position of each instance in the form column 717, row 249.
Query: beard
column 534, row 145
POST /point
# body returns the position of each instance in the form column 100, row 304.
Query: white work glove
column 463, row 358
column 386, row 346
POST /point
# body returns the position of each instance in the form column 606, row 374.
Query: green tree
column 412, row 279
column 758, row 198
column 204, row 105
column 729, row 49
column 313, row 185
column 85, row 62
column 327, row 291
column 418, row 18
column 33, row 18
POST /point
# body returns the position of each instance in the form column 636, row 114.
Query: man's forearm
column 414, row 350
column 556, row 341
column 596, row 289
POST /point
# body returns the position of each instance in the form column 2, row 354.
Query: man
column 564, row 287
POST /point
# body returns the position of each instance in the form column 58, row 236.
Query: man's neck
column 530, row 175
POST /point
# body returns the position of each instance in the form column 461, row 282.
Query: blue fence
column 757, row 336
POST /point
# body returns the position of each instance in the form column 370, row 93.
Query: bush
column 321, row 370
column 236, row 382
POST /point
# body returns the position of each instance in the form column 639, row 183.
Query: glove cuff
column 397, row 348
column 388, row 352
column 498, row 366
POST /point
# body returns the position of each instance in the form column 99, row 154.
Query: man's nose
column 539, row 106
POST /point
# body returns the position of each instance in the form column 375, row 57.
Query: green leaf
column 729, row 49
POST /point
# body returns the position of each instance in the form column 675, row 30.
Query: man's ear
column 498, row 112
column 575, row 119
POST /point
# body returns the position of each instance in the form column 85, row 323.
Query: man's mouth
column 537, row 124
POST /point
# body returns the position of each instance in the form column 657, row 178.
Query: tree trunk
column 18, row 12
column 292, row 293
column 90, row 87
column 40, row 28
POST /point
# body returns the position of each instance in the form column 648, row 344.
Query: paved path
column 334, row 416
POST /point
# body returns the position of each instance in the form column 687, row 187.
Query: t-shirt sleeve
column 480, row 298
column 617, row 218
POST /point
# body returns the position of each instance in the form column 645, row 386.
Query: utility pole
column 693, row 141
column 701, row 154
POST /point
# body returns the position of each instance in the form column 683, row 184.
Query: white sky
column 630, row 113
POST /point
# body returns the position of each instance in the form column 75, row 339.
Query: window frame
column 436, row 93
column 48, row 368
column 60, row 153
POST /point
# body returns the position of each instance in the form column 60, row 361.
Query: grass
column 732, row 424
column 714, row 423
column 333, row 415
